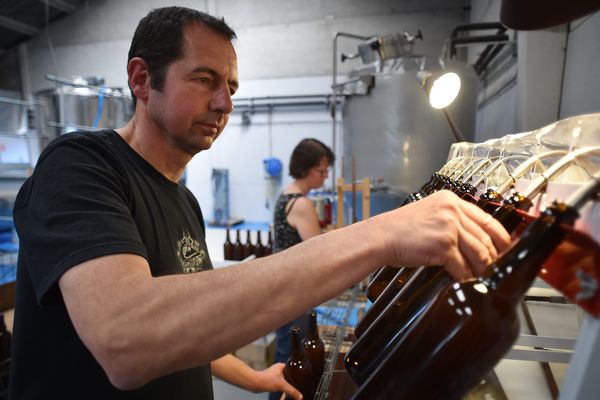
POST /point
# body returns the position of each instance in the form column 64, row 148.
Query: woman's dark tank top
column 285, row 235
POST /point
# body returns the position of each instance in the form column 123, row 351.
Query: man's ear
column 139, row 78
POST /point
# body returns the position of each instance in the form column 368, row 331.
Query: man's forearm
column 140, row 327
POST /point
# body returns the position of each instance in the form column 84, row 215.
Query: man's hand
column 443, row 230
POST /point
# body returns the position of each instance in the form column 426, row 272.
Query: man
column 116, row 296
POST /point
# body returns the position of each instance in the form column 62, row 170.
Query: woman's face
column 318, row 174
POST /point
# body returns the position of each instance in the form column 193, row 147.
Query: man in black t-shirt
column 116, row 296
column 101, row 203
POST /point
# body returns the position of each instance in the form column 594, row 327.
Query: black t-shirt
column 92, row 195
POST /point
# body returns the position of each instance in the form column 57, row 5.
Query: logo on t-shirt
column 191, row 255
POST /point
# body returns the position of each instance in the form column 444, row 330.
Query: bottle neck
column 415, row 196
column 507, row 214
column 430, row 183
column 296, row 349
column 514, row 272
column 313, row 328
column 490, row 201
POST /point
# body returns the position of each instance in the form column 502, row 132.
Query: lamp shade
column 441, row 88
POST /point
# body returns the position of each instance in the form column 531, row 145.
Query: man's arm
column 234, row 371
column 139, row 327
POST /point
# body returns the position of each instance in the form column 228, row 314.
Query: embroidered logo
column 190, row 254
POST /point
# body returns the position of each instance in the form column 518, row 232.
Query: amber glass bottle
column 248, row 247
column 385, row 278
column 470, row 325
column 298, row 371
column 436, row 182
column 238, row 247
column 401, row 278
column 386, row 274
column 314, row 349
column 269, row 246
column 490, row 201
column 259, row 249
column 414, row 197
column 382, row 278
column 507, row 213
column 227, row 247
column 388, row 279
column 392, row 322
column 370, row 349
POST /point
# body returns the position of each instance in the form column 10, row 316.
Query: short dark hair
column 308, row 154
column 158, row 39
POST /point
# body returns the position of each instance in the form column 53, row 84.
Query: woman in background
column 295, row 219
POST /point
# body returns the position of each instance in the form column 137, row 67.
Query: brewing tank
column 392, row 131
column 69, row 107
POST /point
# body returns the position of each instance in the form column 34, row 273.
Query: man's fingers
column 456, row 266
column 499, row 236
column 480, row 235
column 477, row 255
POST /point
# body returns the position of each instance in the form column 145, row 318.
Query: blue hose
column 99, row 108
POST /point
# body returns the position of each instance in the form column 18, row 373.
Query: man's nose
column 221, row 101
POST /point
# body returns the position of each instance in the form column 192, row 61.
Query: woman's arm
column 303, row 217
column 236, row 372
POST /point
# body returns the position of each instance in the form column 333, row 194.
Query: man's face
column 194, row 105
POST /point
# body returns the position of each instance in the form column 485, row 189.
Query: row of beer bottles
column 238, row 251
column 478, row 314
column 304, row 368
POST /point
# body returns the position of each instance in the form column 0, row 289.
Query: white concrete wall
column 541, row 93
column 581, row 85
column 284, row 48
column 541, row 56
column 276, row 38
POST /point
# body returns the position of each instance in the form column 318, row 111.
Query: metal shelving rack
column 338, row 314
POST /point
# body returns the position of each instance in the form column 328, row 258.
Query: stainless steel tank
column 74, row 106
column 393, row 132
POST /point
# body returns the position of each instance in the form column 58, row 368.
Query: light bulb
column 444, row 90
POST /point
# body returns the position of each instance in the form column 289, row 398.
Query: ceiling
column 21, row 20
